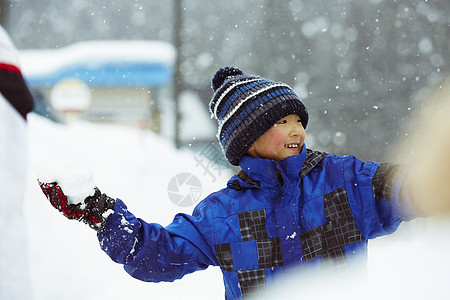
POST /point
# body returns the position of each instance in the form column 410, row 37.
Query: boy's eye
column 282, row 122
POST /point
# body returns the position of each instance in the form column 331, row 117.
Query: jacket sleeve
column 150, row 252
column 378, row 195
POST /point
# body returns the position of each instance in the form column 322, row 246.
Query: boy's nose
column 296, row 129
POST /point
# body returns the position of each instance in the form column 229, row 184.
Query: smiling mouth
column 292, row 146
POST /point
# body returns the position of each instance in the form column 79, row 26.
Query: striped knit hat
column 246, row 106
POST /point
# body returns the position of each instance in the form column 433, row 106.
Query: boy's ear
column 251, row 151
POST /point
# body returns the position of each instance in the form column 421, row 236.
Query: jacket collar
column 257, row 172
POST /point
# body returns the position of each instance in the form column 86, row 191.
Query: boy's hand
column 58, row 200
column 428, row 150
column 92, row 211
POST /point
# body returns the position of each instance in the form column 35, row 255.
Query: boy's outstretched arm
column 377, row 195
column 149, row 252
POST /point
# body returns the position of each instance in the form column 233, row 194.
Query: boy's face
column 285, row 138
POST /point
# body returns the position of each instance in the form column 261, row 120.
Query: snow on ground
column 67, row 262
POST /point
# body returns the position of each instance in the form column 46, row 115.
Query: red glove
column 91, row 211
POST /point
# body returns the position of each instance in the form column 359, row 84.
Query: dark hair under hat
column 246, row 106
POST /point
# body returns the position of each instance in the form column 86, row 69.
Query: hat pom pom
column 222, row 74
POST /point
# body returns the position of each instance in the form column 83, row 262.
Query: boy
column 288, row 206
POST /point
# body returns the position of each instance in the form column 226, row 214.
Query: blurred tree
column 3, row 12
column 177, row 78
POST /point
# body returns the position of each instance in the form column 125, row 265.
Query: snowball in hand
column 76, row 181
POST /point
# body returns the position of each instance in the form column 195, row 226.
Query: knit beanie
column 246, row 106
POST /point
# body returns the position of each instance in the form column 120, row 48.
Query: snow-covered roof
column 101, row 63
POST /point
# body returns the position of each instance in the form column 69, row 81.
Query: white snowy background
column 67, row 263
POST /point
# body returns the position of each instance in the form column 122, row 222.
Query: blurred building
column 123, row 81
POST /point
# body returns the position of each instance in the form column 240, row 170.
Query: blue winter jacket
column 304, row 210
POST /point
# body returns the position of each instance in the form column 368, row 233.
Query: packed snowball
column 76, row 181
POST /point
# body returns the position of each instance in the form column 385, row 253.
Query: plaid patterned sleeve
column 384, row 179
column 389, row 183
